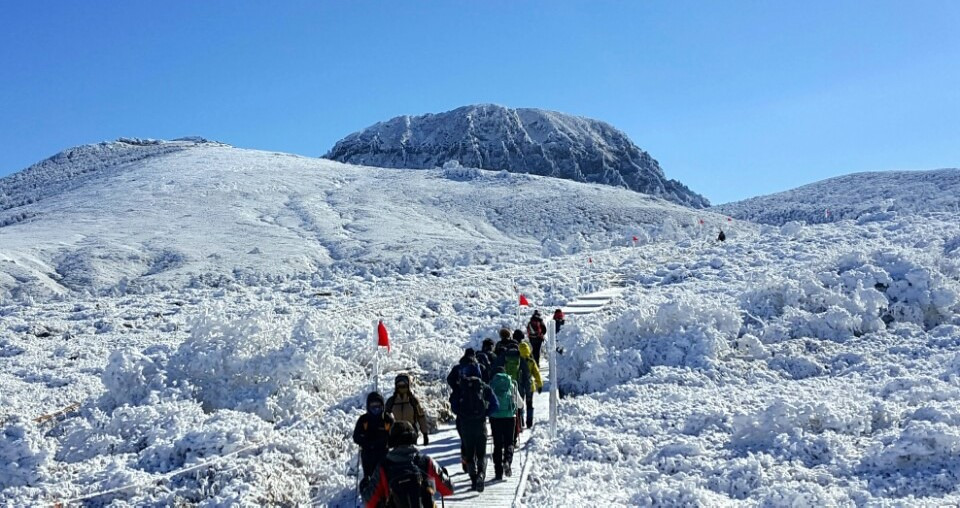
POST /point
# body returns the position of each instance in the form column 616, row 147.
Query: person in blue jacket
column 473, row 403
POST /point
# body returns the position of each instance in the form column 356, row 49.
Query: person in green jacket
column 503, row 421
column 536, row 383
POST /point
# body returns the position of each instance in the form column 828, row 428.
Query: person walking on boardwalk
column 405, row 407
column 474, row 403
column 537, row 333
column 405, row 477
column 503, row 421
column 558, row 319
column 535, row 384
column 486, row 358
column 372, row 433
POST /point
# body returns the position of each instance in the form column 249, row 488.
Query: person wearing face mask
column 372, row 433
column 405, row 407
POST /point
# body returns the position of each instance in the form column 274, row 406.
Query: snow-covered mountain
column 519, row 140
column 859, row 196
column 191, row 323
column 146, row 214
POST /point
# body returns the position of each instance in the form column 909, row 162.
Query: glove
column 426, row 440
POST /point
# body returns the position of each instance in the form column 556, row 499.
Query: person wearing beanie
column 372, row 434
column 402, row 457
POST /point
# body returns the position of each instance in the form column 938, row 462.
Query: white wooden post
column 554, row 377
column 376, row 355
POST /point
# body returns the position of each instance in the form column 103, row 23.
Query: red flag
column 635, row 238
column 590, row 260
column 383, row 339
column 729, row 219
column 523, row 301
column 701, row 222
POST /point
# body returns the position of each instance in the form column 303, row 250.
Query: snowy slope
column 519, row 140
column 204, row 214
column 855, row 196
column 211, row 312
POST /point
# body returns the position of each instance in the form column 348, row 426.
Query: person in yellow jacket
column 536, row 382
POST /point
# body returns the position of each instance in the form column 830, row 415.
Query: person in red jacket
column 405, row 477
column 537, row 333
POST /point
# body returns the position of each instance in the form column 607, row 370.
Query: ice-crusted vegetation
column 793, row 365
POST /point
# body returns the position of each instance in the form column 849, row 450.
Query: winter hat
column 536, row 313
column 374, row 397
column 470, row 353
column 487, row 344
column 470, row 370
column 402, row 434
column 518, row 335
column 504, row 334
column 401, row 379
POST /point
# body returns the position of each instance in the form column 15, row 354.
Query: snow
column 212, row 308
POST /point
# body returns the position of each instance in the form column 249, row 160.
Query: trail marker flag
column 523, row 301
column 383, row 338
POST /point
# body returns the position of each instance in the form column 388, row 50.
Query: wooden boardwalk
column 445, row 444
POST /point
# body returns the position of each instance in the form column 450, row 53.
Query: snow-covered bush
column 921, row 460
column 25, row 455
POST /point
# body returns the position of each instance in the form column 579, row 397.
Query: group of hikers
column 496, row 383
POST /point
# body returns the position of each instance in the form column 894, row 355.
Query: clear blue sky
column 733, row 98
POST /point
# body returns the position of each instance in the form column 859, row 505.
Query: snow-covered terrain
column 860, row 196
column 215, row 302
column 522, row 140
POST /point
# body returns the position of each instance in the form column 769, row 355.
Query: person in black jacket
column 372, row 433
column 487, row 359
column 537, row 332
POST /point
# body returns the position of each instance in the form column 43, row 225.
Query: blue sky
column 733, row 98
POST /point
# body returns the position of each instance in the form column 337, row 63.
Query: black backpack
column 472, row 403
column 408, row 483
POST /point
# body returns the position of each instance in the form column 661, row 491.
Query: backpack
column 408, row 484
column 504, row 393
column 472, row 403
column 519, row 370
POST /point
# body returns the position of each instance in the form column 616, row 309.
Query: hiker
column 474, row 403
column 486, row 358
column 372, row 433
column 721, row 237
column 405, row 407
column 503, row 421
column 558, row 319
column 469, row 358
column 518, row 336
column 405, row 477
column 534, row 384
column 537, row 331
column 504, row 339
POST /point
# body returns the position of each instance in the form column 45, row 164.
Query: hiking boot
column 479, row 487
column 507, row 470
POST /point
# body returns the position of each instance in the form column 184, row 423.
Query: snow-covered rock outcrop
column 519, row 140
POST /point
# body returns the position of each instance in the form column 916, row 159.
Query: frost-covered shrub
column 799, row 430
column 134, row 378
column 921, row 460
column 452, row 170
column 680, row 333
column 263, row 364
column 25, row 455
column 589, row 364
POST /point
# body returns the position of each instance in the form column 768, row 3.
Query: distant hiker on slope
column 405, row 407
column 474, row 403
column 537, row 332
column 371, row 433
column 405, row 477
column 503, row 421
column 721, row 237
